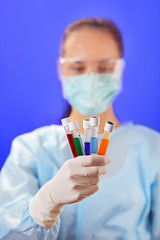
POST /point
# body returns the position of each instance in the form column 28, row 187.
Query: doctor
column 46, row 194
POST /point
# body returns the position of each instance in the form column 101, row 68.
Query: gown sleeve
column 155, row 194
column 18, row 184
column 155, row 207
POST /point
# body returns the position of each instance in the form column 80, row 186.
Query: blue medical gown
column 127, row 205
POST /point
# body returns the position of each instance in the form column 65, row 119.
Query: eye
column 105, row 69
column 78, row 69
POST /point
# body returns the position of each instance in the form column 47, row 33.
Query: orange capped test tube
column 108, row 129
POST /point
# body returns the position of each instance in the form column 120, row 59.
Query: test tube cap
column 73, row 125
column 94, row 121
column 65, row 121
column 109, row 126
column 86, row 123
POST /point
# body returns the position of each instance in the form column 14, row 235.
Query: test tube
column 108, row 129
column 86, row 126
column 94, row 125
column 65, row 123
column 76, row 137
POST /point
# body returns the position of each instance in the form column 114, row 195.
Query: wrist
column 43, row 209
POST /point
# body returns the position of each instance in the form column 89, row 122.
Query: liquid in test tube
column 108, row 129
column 65, row 123
column 76, row 137
column 86, row 126
column 94, row 125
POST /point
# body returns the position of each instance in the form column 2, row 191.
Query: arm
column 18, row 184
column 155, row 210
column 155, row 192
column 76, row 180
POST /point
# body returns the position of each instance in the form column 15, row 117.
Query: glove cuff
column 43, row 209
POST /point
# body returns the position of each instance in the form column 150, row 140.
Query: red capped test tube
column 65, row 123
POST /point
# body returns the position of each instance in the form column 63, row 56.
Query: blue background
column 30, row 32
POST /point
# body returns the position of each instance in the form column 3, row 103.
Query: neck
column 108, row 115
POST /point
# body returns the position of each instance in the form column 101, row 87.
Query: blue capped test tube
column 86, row 126
column 94, row 125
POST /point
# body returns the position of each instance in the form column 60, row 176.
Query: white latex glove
column 77, row 179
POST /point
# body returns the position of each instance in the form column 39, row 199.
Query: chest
column 122, row 203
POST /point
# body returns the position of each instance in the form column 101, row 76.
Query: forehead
column 91, row 43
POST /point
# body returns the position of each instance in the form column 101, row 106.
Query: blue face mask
column 92, row 93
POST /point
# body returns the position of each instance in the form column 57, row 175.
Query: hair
column 99, row 23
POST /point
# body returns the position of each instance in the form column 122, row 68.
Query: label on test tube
column 108, row 129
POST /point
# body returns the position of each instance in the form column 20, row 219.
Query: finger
column 86, row 181
column 76, row 170
column 95, row 171
column 109, row 160
column 103, row 170
column 86, row 191
column 83, row 172
column 90, row 171
column 92, row 160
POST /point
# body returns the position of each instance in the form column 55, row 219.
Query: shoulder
column 42, row 132
column 146, row 138
column 143, row 142
column 40, row 137
column 136, row 134
column 145, row 131
column 140, row 139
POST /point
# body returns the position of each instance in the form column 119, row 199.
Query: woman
column 46, row 194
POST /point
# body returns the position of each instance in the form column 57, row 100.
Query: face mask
column 92, row 93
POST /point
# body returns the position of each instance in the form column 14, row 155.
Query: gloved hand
column 77, row 179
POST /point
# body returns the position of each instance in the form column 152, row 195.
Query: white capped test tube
column 108, row 129
column 65, row 123
column 94, row 125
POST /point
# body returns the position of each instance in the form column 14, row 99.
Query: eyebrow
column 83, row 61
column 105, row 60
column 79, row 61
